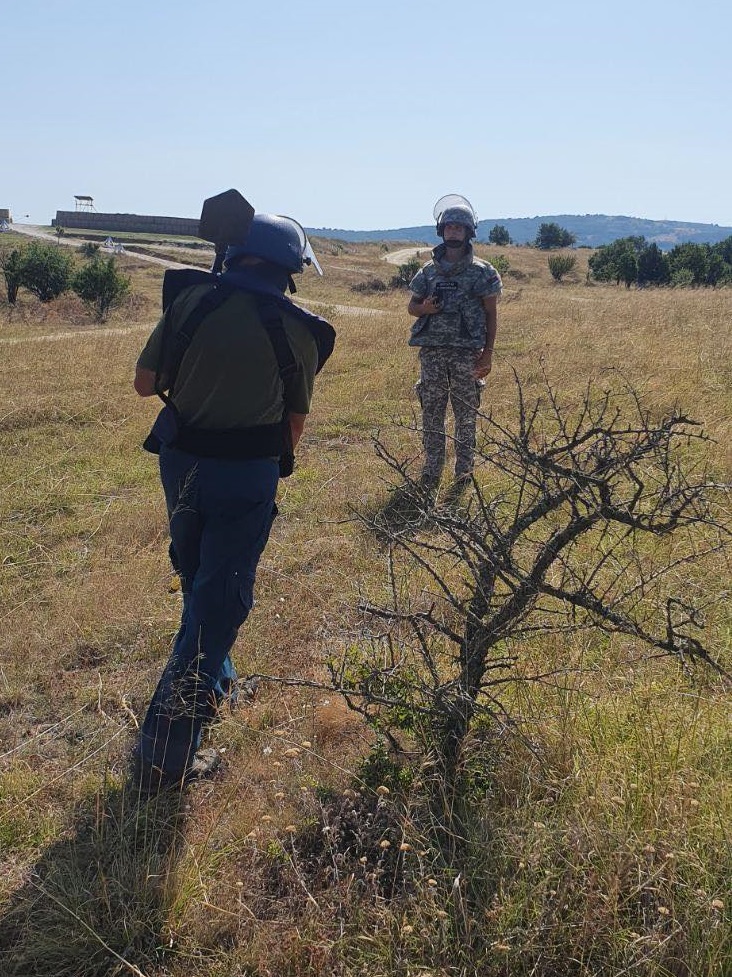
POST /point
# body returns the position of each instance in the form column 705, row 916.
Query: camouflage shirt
column 462, row 287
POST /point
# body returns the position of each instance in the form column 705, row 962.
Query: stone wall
column 141, row 223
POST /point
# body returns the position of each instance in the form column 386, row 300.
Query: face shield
column 452, row 200
column 308, row 255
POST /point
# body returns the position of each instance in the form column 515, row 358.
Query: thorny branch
column 566, row 532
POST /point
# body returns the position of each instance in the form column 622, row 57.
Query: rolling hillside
column 591, row 230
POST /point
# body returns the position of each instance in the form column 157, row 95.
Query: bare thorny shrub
column 591, row 515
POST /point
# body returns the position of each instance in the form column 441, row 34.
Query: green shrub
column 618, row 261
column 100, row 286
column 11, row 263
column 500, row 262
column 560, row 265
column 682, row 278
column 406, row 273
column 553, row 236
column 47, row 270
column 653, row 266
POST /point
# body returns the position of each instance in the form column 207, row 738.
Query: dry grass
column 605, row 852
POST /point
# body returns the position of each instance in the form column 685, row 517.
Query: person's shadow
column 96, row 902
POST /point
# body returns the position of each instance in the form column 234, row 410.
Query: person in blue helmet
column 239, row 411
column 454, row 302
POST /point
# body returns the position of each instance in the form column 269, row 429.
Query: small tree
column 717, row 271
column 11, row 262
column 699, row 264
column 617, row 261
column 724, row 250
column 560, row 265
column 653, row 267
column 553, row 236
column 499, row 235
column 587, row 523
column 47, row 270
column 627, row 267
column 693, row 258
column 100, row 286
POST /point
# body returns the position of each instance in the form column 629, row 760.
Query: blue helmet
column 280, row 240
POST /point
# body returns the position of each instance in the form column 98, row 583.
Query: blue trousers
column 221, row 512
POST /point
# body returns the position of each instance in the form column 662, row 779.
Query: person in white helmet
column 455, row 302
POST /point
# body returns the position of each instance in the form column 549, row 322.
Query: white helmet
column 454, row 209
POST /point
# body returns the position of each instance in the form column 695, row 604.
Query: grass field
column 604, row 850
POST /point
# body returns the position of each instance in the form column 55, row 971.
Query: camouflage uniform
column 450, row 341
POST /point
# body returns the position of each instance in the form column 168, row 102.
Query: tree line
column 632, row 260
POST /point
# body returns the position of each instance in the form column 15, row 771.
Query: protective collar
column 455, row 267
column 250, row 280
column 320, row 329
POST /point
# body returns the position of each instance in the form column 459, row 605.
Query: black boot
column 456, row 490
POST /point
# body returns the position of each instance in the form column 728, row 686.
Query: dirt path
column 94, row 333
column 33, row 230
column 404, row 254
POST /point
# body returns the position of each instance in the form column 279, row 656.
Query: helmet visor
column 452, row 200
column 308, row 255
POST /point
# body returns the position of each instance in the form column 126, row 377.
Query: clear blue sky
column 360, row 116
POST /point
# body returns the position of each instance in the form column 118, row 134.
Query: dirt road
column 404, row 254
column 33, row 230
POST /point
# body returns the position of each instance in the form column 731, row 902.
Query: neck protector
column 439, row 256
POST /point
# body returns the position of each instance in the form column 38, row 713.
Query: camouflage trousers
column 447, row 374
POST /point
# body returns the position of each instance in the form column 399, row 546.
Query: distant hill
column 591, row 230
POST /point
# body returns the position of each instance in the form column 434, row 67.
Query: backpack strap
column 170, row 359
column 271, row 317
column 169, row 362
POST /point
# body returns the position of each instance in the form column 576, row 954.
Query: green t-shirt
column 229, row 377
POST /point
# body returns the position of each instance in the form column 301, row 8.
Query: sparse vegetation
column 371, row 285
column 89, row 249
column 595, row 836
column 578, row 493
